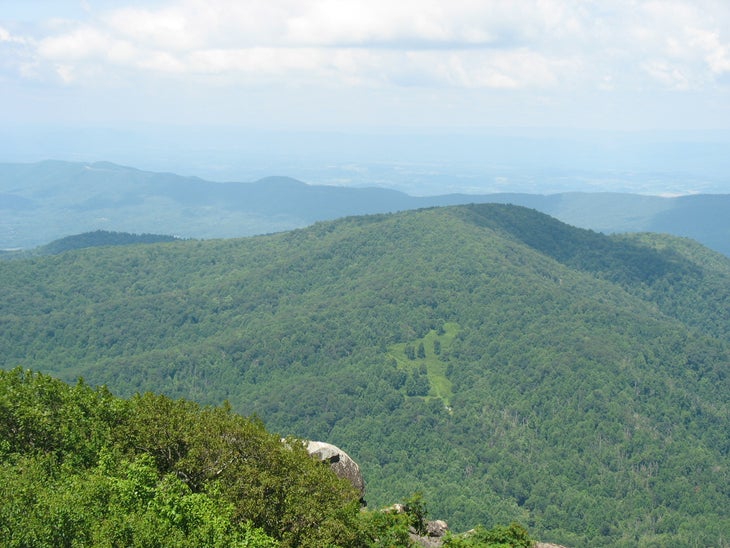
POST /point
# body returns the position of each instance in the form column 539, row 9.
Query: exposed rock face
column 437, row 528
column 433, row 536
column 339, row 461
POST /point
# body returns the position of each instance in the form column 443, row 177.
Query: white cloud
column 5, row 36
column 670, row 75
column 165, row 29
column 260, row 60
column 683, row 45
column 511, row 69
column 715, row 53
column 521, row 44
column 14, row 55
column 79, row 45
column 65, row 72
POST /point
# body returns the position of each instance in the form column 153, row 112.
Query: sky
column 191, row 71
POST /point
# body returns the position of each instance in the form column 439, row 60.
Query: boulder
column 436, row 528
column 433, row 536
column 340, row 462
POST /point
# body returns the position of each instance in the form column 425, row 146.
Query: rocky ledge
column 340, row 462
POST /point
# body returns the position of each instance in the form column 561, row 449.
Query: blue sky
column 366, row 67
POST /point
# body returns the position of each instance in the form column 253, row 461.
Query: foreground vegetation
column 80, row 467
column 509, row 366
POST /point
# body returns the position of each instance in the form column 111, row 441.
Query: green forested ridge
column 96, row 238
column 580, row 386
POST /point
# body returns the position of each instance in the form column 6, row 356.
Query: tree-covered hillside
column 97, row 238
column 510, row 367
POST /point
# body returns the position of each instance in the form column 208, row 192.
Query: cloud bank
column 353, row 63
column 524, row 44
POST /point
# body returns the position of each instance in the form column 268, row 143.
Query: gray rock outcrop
column 340, row 462
column 433, row 536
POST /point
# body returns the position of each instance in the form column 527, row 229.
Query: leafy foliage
column 512, row 536
column 580, row 386
column 81, row 467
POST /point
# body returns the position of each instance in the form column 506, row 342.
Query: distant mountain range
column 44, row 201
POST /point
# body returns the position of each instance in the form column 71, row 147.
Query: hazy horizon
column 525, row 161
column 422, row 96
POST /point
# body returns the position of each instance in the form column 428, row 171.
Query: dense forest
column 510, row 367
column 97, row 238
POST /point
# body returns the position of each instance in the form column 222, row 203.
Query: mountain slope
column 96, row 238
column 509, row 366
column 75, row 197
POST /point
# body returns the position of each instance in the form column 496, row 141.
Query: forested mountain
column 45, row 201
column 509, row 366
column 97, row 238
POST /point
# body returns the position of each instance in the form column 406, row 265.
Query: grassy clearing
column 429, row 351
